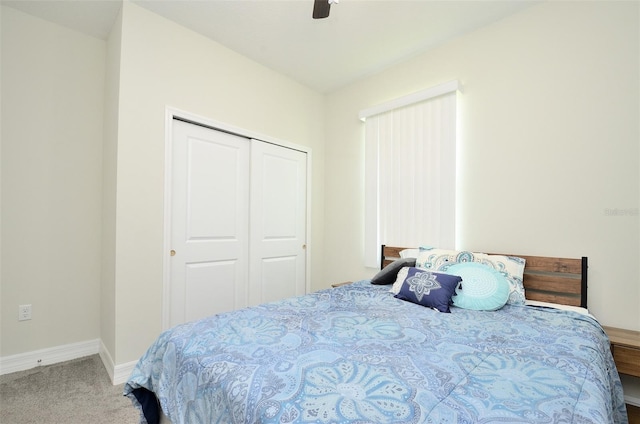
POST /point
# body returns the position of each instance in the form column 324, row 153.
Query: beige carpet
column 77, row 391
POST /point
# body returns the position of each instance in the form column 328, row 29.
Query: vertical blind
column 410, row 175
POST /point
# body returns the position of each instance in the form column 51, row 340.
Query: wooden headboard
column 546, row 279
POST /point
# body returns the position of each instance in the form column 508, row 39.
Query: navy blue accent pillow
column 430, row 289
column 388, row 274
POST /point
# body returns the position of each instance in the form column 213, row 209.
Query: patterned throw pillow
column 427, row 288
column 482, row 288
column 511, row 267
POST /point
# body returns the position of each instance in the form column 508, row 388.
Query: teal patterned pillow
column 429, row 258
column 482, row 288
column 511, row 267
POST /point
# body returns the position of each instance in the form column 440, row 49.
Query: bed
column 360, row 353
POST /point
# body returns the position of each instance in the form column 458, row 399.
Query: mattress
column 357, row 354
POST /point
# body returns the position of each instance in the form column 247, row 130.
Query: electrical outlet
column 24, row 312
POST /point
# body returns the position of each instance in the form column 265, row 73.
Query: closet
column 237, row 225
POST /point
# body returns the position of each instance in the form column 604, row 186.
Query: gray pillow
column 388, row 274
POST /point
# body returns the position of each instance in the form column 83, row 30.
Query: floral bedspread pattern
column 356, row 354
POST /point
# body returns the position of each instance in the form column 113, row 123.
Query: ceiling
column 360, row 37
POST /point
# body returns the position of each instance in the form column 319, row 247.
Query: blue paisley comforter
column 356, row 354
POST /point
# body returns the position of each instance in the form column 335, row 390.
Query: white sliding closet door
column 278, row 222
column 238, row 222
column 209, row 223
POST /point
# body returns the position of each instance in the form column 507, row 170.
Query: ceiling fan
column 321, row 8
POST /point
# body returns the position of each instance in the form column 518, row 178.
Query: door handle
column 172, row 253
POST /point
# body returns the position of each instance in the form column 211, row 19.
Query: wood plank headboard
column 546, row 279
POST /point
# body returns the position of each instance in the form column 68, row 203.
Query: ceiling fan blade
column 321, row 9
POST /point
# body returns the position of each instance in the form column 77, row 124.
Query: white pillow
column 409, row 253
column 402, row 275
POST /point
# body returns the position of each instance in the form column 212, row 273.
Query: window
column 410, row 171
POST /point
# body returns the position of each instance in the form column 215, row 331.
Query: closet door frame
column 173, row 113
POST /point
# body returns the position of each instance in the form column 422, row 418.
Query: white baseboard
column 122, row 372
column 53, row 355
column 631, row 386
column 107, row 360
column 117, row 373
column 25, row 361
column 632, row 401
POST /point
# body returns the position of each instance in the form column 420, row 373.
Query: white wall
column 52, row 99
column 549, row 140
column 163, row 64
column 109, row 177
